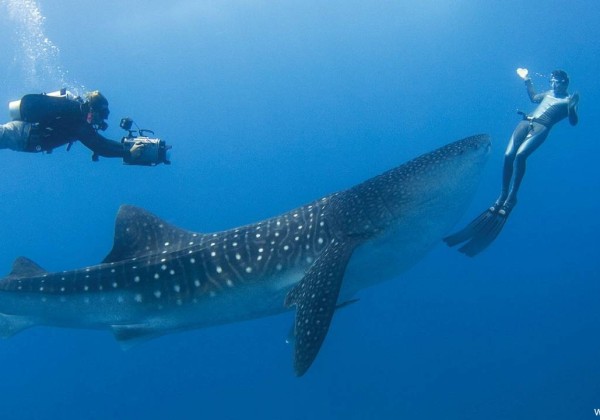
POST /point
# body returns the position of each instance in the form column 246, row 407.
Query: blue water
column 270, row 105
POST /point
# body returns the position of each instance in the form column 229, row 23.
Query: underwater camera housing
column 155, row 150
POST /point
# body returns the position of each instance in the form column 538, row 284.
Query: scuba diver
column 554, row 105
column 43, row 122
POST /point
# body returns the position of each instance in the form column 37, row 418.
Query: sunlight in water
column 38, row 57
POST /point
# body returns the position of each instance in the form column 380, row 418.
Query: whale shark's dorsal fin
column 24, row 267
column 139, row 233
column 315, row 298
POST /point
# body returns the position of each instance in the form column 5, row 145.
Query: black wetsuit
column 58, row 121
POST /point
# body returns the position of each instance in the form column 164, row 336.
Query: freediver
column 554, row 105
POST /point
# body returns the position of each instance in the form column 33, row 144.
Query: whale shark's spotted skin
column 159, row 278
column 187, row 265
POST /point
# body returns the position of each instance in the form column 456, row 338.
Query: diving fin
column 470, row 230
column 482, row 231
column 483, row 238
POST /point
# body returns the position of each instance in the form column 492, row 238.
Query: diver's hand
column 574, row 101
column 572, row 109
column 136, row 150
column 523, row 73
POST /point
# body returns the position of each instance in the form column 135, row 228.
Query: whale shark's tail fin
column 482, row 231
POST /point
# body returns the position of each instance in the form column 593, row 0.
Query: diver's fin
column 484, row 237
column 315, row 297
column 471, row 229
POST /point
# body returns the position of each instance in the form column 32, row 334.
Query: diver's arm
column 573, row 102
column 101, row 146
column 534, row 97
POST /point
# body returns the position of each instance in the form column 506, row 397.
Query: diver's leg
column 14, row 135
column 3, row 137
column 530, row 145
column 482, row 231
column 516, row 140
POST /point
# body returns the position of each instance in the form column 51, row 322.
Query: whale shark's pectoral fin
column 315, row 297
column 291, row 338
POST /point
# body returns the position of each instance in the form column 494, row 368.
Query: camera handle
column 145, row 132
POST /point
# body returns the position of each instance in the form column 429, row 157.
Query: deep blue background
column 271, row 104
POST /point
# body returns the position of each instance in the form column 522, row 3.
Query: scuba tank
column 39, row 107
column 14, row 110
column 47, row 113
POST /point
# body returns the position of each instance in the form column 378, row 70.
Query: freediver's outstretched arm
column 533, row 96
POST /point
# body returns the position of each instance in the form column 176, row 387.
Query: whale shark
column 159, row 278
